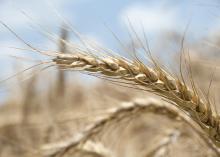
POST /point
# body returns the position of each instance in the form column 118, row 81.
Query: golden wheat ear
column 143, row 77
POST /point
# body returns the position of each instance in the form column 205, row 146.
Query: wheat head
column 143, row 77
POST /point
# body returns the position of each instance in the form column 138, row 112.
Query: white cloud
column 153, row 18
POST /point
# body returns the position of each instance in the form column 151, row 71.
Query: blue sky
column 89, row 16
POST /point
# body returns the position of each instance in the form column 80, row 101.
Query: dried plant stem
column 61, row 76
column 137, row 75
column 117, row 114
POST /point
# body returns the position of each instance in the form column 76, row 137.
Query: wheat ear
column 115, row 115
column 155, row 80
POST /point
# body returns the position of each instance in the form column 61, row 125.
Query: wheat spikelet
column 155, row 80
column 117, row 114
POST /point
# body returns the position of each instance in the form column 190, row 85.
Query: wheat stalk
column 143, row 77
column 126, row 110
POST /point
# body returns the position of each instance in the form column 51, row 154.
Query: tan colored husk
column 146, row 78
column 126, row 110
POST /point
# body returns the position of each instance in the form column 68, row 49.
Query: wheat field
column 95, row 102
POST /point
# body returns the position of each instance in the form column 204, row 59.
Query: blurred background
column 164, row 22
column 48, row 106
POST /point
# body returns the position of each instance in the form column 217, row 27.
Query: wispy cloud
column 152, row 18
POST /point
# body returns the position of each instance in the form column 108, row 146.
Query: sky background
column 90, row 18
